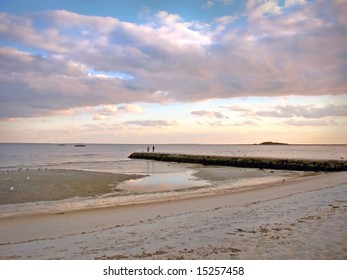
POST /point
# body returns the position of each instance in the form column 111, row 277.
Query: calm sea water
column 114, row 158
column 161, row 177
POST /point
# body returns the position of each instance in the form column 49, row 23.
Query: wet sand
column 28, row 192
column 22, row 186
column 302, row 218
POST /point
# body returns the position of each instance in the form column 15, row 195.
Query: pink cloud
column 292, row 52
column 209, row 113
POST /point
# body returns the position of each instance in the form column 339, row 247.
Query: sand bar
column 305, row 218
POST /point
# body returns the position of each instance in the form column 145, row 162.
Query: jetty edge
column 248, row 162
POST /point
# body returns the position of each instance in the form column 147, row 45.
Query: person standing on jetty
column 148, row 149
column 153, row 148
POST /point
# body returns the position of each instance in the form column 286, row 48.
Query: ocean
column 23, row 189
column 114, row 157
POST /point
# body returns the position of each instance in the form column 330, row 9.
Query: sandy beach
column 303, row 218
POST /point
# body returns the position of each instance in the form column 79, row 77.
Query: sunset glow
column 217, row 71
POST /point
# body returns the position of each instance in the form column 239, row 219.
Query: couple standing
column 148, row 148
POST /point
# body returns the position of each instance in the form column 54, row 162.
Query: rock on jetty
column 249, row 162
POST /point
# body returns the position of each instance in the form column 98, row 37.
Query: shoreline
column 62, row 190
column 177, row 228
column 116, row 198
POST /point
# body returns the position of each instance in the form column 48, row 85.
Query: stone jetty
column 249, row 162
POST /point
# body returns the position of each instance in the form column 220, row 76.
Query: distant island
column 80, row 145
column 272, row 143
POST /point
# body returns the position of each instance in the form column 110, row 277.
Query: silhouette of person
column 153, row 148
column 148, row 149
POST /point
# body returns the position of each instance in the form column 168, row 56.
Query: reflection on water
column 150, row 164
column 162, row 181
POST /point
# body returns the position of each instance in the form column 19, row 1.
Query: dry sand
column 305, row 218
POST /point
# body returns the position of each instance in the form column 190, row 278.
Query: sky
column 199, row 71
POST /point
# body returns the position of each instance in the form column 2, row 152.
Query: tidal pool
column 160, row 182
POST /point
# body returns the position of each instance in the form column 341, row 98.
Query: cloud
column 301, row 122
column 16, row 62
column 99, row 117
column 223, row 123
column 225, row 19
column 290, row 3
column 217, row 123
column 259, row 8
column 308, row 111
column 237, row 108
column 246, row 123
column 210, row 3
column 210, row 114
column 133, row 125
column 103, row 112
column 304, row 111
column 36, row 85
column 272, row 53
column 131, row 108
column 227, row 2
column 151, row 123
column 110, row 109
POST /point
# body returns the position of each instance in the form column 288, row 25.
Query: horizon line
column 249, row 144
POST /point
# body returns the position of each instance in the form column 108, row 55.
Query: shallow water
column 161, row 182
column 58, row 191
column 161, row 177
